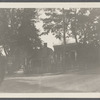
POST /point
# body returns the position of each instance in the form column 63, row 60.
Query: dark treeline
column 20, row 39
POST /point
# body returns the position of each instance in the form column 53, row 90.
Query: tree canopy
column 18, row 30
column 80, row 23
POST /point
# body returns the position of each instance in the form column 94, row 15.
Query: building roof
column 70, row 46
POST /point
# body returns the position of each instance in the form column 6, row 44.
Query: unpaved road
column 83, row 81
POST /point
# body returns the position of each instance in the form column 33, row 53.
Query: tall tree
column 79, row 23
column 19, row 23
column 27, row 31
column 18, row 30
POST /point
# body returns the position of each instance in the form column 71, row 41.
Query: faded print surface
column 49, row 50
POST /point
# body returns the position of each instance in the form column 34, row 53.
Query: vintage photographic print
column 49, row 48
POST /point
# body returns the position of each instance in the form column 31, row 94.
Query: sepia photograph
column 49, row 49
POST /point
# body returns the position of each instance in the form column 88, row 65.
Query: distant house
column 69, row 52
column 88, row 54
column 69, row 47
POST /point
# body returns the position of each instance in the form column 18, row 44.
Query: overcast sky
column 50, row 38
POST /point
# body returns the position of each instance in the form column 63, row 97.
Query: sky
column 50, row 38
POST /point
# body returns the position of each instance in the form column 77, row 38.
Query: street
column 75, row 81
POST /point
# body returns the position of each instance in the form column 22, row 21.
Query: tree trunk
column 64, row 33
column 64, row 39
column 84, row 40
column 76, row 39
